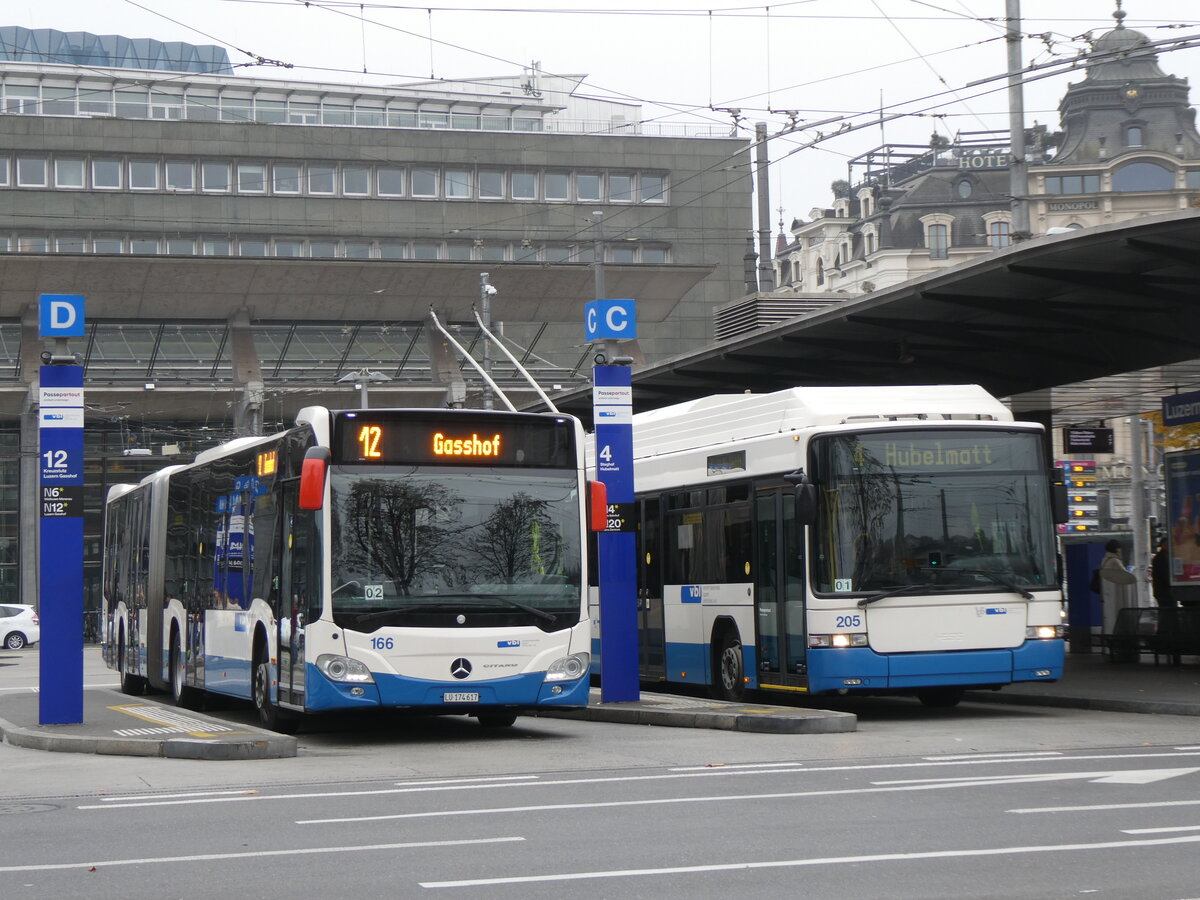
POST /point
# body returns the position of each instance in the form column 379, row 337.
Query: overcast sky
column 820, row 58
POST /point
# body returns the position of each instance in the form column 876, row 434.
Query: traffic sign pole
column 60, row 531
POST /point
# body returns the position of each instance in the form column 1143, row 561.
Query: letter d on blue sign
column 60, row 315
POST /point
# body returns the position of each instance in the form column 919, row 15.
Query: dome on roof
column 1122, row 54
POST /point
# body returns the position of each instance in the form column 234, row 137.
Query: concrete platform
column 690, row 712
column 117, row 724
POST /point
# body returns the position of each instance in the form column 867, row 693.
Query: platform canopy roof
column 1037, row 323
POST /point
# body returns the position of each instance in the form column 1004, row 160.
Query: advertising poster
column 1183, row 515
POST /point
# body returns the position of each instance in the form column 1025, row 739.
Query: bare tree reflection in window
column 399, row 528
column 517, row 542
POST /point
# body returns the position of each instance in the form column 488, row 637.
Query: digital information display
column 388, row 437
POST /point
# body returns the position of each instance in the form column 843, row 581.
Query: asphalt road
column 981, row 801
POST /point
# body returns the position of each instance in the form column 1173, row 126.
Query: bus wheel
column 271, row 716
column 729, row 682
column 185, row 695
column 940, row 697
column 500, row 718
column 134, row 685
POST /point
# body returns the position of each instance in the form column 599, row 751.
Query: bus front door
column 779, row 591
column 296, row 594
column 651, row 635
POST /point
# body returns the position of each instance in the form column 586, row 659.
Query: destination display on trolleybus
column 390, row 437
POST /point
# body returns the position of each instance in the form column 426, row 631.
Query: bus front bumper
column 527, row 691
column 862, row 669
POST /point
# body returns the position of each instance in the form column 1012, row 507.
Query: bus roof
column 724, row 417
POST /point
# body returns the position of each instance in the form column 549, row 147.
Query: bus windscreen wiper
column 999, row 579
column 892, row 592
column 517, row 604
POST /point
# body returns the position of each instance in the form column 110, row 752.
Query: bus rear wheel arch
column 134, row 685
column 184, row 694
column 729, row 669
column 270, row 716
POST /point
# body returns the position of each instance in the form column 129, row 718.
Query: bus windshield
column 438, row 547
column 946, row 509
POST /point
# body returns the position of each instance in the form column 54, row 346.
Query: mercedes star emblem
column 460, row 668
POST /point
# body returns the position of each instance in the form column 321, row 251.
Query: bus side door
column 779, row 589
column 298, row 592
column 651, row 635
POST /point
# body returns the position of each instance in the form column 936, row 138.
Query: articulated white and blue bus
column 421, row 559
column 866, row 539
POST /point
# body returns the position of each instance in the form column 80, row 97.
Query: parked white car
column 19, row 626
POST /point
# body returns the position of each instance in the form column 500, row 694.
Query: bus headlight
column 343, row 668
column 838, row 640
column 569, row 668
column 1043, row 632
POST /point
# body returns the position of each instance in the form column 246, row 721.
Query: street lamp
column 361, row 379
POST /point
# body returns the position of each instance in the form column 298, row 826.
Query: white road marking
column 209, row 857
column 1001, row 756
column 796, row 863
column 727, row 766
column 1160, row 830
column 882, row 788
column 465, row 780
column 1106, row 806
column 177, row 796
column 1130, row 776
column 708, row 773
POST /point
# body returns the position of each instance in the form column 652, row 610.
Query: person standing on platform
column 1160, row 577
column 1117, row 585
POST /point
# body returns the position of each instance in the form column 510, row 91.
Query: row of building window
column 129, row 101
column 330, row 179
column 624, row 253
column 1138, row 176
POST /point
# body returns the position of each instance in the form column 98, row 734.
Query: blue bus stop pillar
column 617, row 549
column 60, row 547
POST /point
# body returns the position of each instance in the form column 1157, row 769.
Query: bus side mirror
column 805, row 497
column 597, row 506
column 1058, row 501
column 312, row 477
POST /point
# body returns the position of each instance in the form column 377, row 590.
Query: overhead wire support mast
column 469, row 358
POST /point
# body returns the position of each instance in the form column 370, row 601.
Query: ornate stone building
column 1127, row 147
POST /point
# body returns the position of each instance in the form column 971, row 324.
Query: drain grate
column 16, row 809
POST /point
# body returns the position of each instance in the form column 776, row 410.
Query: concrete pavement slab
column 117, row 724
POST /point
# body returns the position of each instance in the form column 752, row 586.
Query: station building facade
column 250, row 245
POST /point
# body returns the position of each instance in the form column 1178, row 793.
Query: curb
column 1102, row 704
column 747, row 719
column 268, row 746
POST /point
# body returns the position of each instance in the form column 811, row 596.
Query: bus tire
column 940, row 697
column 184, row 694
column 498, row 718
column 134, row 685
column 729, row 676
column 270, row 716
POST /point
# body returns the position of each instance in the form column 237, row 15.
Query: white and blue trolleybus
column 421, row 559
column 865, row 539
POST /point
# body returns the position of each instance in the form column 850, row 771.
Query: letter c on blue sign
column 610, row 320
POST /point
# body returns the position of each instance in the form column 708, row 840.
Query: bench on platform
column 1163, row 631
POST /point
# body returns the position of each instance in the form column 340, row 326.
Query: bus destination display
column 387, row 439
